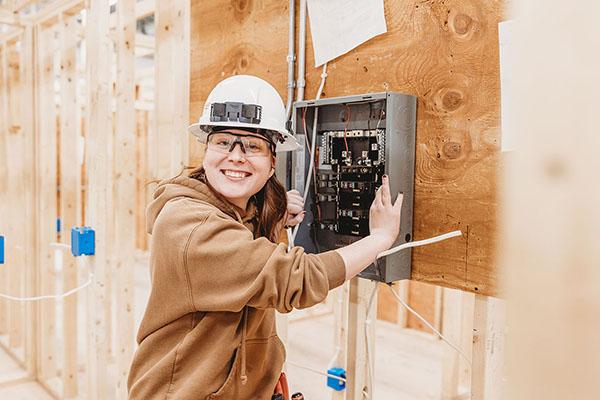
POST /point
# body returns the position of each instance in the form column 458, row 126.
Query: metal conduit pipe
column 301, row 52
column 290, row 60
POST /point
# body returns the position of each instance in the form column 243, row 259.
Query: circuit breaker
column 357, row 140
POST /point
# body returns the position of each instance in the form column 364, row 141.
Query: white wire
column 55, row 297
column 416, row 314
column 420, row 243
column 307, row 181
column 316, row 371
column 60, row 246
column 51, row 297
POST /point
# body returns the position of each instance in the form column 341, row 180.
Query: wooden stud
column 551, row 198
column 125, row 184
column 30, row 222
column 172, row 85
column 402, row 289
column 340, row 306
column 357, row 370
column 70, row 184
column 489, row 325
column 4, row 196
column 98, row 47
column 47, row 189
column 15, row 233
column 452, row 330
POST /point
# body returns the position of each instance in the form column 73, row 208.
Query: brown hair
column 271, row 203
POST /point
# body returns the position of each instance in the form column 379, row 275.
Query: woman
column 218, row 274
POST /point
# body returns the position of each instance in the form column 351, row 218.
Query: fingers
column 296, row 219
column 377, row 199
column 398, row 202
column 294, row 209
column 385, row 191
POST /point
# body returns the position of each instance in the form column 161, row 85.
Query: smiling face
column 236, row 176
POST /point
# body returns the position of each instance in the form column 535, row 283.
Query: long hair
column 271, row 204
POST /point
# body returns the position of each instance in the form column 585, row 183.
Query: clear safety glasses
column 251, row 146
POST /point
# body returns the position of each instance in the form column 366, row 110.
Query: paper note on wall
column 338, row 26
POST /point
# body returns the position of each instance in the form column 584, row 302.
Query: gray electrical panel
column 358, row 139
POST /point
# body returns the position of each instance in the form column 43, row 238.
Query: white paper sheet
column 507, row 86
column 338, row 26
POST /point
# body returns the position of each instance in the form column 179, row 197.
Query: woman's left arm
column 228, row 269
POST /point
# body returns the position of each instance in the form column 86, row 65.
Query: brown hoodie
column 209, row 327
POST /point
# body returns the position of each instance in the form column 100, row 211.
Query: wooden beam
column 7, row 17
column 402, row 288
column 125, row 195
column 53, row 10
column 16, row 245
column 4, row 176
column 12, row 35
column 143, row 9
column 452, row 330
column 489, row 326
column 172, row 85
column 19, row 5
column 357, row 366
column 70, row 184
column 341, row 297
column 47, row 189
column 550, row 252
column 98, row 47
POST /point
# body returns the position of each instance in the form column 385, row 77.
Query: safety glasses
column 251, row 146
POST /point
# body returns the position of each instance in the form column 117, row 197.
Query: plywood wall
column 444, row 52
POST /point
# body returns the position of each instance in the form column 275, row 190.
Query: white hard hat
column 246, row 102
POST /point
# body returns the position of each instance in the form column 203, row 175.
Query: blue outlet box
column 1, row 249
column 334, row 383
column 83, row 241
column 58, row 225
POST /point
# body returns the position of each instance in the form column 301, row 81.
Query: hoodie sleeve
column 227, row 269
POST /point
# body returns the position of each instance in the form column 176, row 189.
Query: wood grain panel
column 446, row 53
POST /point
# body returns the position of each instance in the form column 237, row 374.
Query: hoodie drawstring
column 243, row 375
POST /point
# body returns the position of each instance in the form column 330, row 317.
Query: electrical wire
column 367, row 322
column 346, row 123
column 416, row 314
column 51, row 297
column 423, row 242
column 293, row 232
column 316, row 371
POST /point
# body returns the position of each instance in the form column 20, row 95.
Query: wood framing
column 70, row 183
column 4, row 165
column 98, row 46
column 172, row 21
column 489, row 326
column 47, row 200
column 357, row 356
column 550, row 250
column 125, row 190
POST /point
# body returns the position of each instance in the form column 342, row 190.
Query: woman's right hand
column 384, row 226
column 384, row 217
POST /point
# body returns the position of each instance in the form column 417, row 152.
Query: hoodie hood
column 184, row 186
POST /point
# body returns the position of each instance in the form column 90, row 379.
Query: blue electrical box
column 58, row 225
column 1, row 249
column 334, row 383
column 83, row 241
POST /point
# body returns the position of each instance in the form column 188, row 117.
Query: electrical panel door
column 357, row 140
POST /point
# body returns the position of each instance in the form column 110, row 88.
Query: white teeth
column 235, row 174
